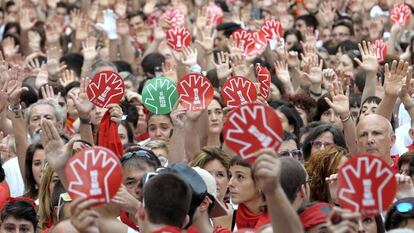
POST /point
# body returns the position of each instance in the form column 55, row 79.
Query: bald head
column 375, row 136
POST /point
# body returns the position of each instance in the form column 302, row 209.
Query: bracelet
column 314, row 93
column 346, row 118
column 85, row 121
column 15, row 109
column 196, row 68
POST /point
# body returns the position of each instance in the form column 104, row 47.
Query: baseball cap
column 218, row 208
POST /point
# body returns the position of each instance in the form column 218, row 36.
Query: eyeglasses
column 297, row 154
column 320, row 145
column 405, row 207
column 142, row 153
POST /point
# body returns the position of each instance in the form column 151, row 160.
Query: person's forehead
column 341, row 28
column 42, row 109
column 16, row 221
column 160, row 119
column 136, row 19
column 372, row 122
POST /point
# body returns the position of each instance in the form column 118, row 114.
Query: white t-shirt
column 13, row 177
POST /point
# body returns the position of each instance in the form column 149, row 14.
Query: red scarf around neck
column 246, row 219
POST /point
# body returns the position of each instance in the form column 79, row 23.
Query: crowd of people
column 336, row 92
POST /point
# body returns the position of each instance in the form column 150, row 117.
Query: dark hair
column 307, row 128
column 290, row 136
column 338, row 138
column 20, row 210
column 393, row 219
column 71, row 85
column 292, row 115
column 360, row 80
column 352, row 54
column 346, row 46
column 10, row 26
column 354, row 101
column 321, row 106
column 150, row 61
column 62, row 5
column 410, row 156
column 2, row 174
column 29, row 96
column 228, row 28
column 368, row 100
column 122, row 66
column 131, row 112
column 39, row 29
column 293, row 175
column 137, row 14
column 32, row 190
column 57, row 88
column 345, row 23
column 294, row 32
column 9, row 4
column 167, row 199
column 73, row 61
column 310, row 21
column 305, row 102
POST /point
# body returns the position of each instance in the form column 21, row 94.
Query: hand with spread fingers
column 395, row 77
column 222, row 65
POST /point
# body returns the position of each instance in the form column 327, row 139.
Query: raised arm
column 369, row 63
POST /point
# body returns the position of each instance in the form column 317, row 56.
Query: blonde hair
column 157, row 144
column 45, row 212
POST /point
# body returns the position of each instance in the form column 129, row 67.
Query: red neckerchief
column 411, row 147
column 168, row 229
column 108, row 135
column 395, row 159
column 246, row 219
column 125, row 219
column 219, row 229
column 142, row 137
column 69, row 126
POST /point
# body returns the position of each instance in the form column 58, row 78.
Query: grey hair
column 98, row 64
column 56, row 108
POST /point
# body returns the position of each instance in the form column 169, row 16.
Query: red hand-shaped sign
column 214, row 14
column 178, row 37
column 272, row 29
column 380, row 49
column 95, row 173
column 252, row 127
column 244, row 40
column 260, row 44
column 263, row 76
column 105, row 88
column 195, row 91
column 174, row 17
column 238, row 90
column 366, row 184
column 400, row 14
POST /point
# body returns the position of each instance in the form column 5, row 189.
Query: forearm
column 24, row 42
column 152, row 48
column 113, row 50
column 20, row 134
column 86, row 67
column 176, row 148
column 85, row 131
column 127, row 50
column 192, row 142
column 386, row 106
column 84, row 6
column 408, row 105
column 370, row 84
column 5, row 124
column 283, row 216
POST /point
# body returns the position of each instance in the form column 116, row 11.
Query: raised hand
column 178, row 116
column 48, row 94
column 313, row 70
column 68, row 76
column 75, row 18
column 340, row 101
column 223, row 68
column 121, row 8
column 26, row 21
column 122, row 27
column 83, row 29
column 82, row 103
column 115, row 112
column 292, row 58
column 15, row 85
column 169, row 71
column 189, row 57
column 126, row 200
column 52, row 32
column 267, row 168
column 329, row 77
column 405, row 186
column 394, row 77
column 206, row 39
column 282, row 72
column 53, row 64
column 369, row 59
column 42, row 76
column 89, row 49
column 240, row 68
column 202, row 19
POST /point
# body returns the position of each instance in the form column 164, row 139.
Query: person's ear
column 411, row 133
column 393, row 139
column 302, row 192
column 204, row 204
column 186, row 220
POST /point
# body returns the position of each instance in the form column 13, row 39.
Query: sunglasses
column 63, row 198
column 405, row 207
column 141, row 153
column 321, row 145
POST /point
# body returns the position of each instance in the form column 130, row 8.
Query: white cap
column 218, row 208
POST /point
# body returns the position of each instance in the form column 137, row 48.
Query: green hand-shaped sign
column 159, row 95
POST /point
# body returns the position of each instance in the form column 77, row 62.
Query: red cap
column 315, row 215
